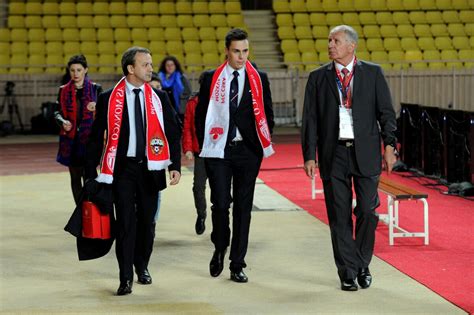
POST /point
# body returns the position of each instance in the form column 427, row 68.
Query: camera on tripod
column 9, row 88
column 9, row 102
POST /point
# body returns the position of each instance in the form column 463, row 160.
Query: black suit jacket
column 244, row 116
column 371, row 107
column 96, row 142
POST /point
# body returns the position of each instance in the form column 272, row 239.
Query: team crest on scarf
column 216, row 132
column 157, row 145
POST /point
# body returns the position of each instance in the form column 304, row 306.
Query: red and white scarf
column 217, row 118
column 157, row 150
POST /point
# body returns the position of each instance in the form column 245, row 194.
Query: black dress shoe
column 238, row 276
column 364, row 278
column 200, row 226
column 217, row 263
column 125, row 287
column 144, row 277
column 349, row 285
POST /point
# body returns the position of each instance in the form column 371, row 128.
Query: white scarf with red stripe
column 157, row 149
column 217, row 118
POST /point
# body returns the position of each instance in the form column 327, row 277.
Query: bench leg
column 395, row 216
column 390, row 203
column 425, row 212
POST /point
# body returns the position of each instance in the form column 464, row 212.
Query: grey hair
column 128, row 57
column 351, row 33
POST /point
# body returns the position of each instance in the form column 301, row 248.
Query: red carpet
column 445, row 265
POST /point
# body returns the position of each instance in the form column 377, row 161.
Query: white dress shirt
column 241, row 81
column 349, row 67
column 132, row 138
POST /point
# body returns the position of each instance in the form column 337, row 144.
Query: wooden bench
column 395, row 193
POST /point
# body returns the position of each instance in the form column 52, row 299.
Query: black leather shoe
column 364, row 278
column 349, row 285
column 200, row 225
column 238, row 276
column 125, row 287
column 144, row 277
column 217, row 263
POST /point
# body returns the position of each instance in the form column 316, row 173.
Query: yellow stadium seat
column 321, row 45
column 323, row 57
column 140, row 34
column 70, row 34
column 53, row 35
column 306, row 45
column 221, row 32
column 122, row 34
column 443, row 43
column 359, row 30
column 409, row 43
column 405, row 30
column 167, row 7
column 88, row 47
column 286, row 32
column 54, row 64
column 350, row 18
column 190, row 33
column 151, row 8
column 375, row 44
column 361, row 45
column 371, row 31
column 16, row 8
column 85, row 21
column 67, row 21
column 20, row 34
column 367, row 18
column 33, row 21
column 329, row 6
column 395, row 5
column 54, row 48
column 174, row 47
column 151, row 20
column 84, row 8
column 417, row 17
column 71, row 48
column 36, row 48
column 400, row 18
column 210, row 60
column 427, row 4
column 50, row 8
column 301, row 19
column 469, row 29
column 101, row 21
column 388, row 31
column 451, row 17
column 439, row 30
column 380, row 57
column 5, row 47
column 36, row 35
column 415, row 57
column 293, row 60
column 422, row 30
column 140, row 43
column 34, row 8
column 157, row 48
column 333, row 19
column 362, row 55
column 466, row 54
column 134, row 8
column 466, row 16
column 460, row 4
column 156, row 34
column 319, row 31
column 36, row 63
column 107, row 63
column 317, row 18
column 18, row 48
column 105, row 34
column 117, row 21
column 191, row 46
column 117, row 48
column 168, row 20
column 434, row 17
column 451, row 57
column 218, row 20
column 284, row 19
column 4, row 62
column 346, row 6
column 16, row 21
column 289, row 45
column 426, row 43
column 100, row 8
column 471, row 41
column 280, row 6
column 397, row 57
column 378, row 5
column 461, row 42
column 209, row 46
column 310, row 59
column 199, row 7
column 4, row 35
column 135, row 20
column 456, row 29
column 443, row 4
column 207, row 33
column 411, row 5
column 201, row 20
column 235, row 20
column 233, row 7
column 19, row 63
column 302, row 32
column 67, row 8
column 216, row 7
column 193, row 62
column 172, row 33
column 92, row 62
column 434, row 57
column 392, row 44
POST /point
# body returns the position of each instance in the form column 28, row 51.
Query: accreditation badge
column 346, row 125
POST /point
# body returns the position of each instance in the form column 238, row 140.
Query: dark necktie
column 345, row 82
column 139, row 130
column 233, row 104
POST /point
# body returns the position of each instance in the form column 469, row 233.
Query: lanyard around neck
column 344, row 89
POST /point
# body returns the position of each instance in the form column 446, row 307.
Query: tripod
column 10, row 101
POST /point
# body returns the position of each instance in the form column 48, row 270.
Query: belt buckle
column 349, row 144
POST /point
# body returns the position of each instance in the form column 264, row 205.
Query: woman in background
column 74, row 114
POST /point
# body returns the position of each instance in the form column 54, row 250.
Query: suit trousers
column 351, row 253
column 135, row 197
column 239, row 170
column 199, row 186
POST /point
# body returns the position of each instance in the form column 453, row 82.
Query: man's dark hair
column 77, row 59
column 155, row 77
column 175, row 61
column 128, row 57
column 235, row 34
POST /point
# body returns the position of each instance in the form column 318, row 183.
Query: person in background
column 155, row 81
column 347, row 112
column 175, row 83
column 191, row 150
column 74, row 113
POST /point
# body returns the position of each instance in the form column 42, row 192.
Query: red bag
column 94, row 223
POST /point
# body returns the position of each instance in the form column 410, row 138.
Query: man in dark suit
column 347, row 110
column 142, row 139
column 229, row 110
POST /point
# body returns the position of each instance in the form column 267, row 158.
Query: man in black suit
column 142, row 139
column 230, row 109
column 347, row 110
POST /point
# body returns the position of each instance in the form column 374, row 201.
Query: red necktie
column 347, row 100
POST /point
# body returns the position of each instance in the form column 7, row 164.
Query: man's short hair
column 128, row 57
column 235, row 34
column 349, row 31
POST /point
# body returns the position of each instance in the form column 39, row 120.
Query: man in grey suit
column 347, row 111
